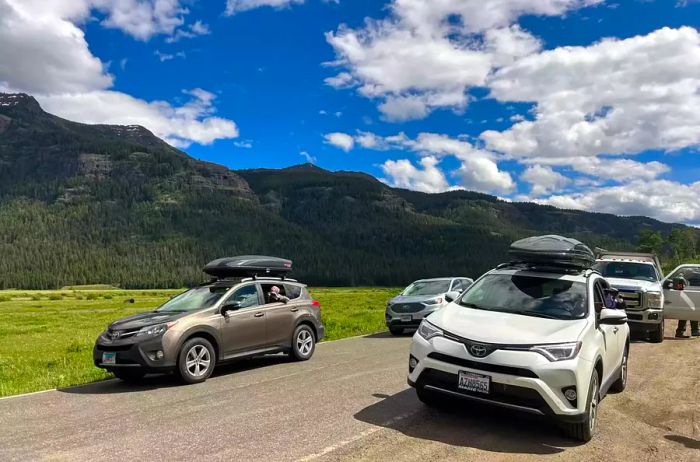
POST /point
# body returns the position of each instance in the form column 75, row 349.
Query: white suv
column 535, row 340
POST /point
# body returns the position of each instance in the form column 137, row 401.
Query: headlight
column 434, row 301
column 558, row 352
column 428, row 331
column 654, row 300
column 153, row 331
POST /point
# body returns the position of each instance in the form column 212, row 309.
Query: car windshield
column 194, row 299
column 626, row 270
column 426, row 288
column 528, row 295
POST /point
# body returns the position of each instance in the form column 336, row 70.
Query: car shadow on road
column 464, row 424
column 388, row 335
column 156, row 381
column 690, row 443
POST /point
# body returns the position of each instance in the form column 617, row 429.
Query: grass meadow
column 46, row 337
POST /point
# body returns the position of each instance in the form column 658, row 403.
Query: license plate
column 109, row 358
column 408, row 318
column 470, row 381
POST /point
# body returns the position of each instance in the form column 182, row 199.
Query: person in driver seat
column 275, row 296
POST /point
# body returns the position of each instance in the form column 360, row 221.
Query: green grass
column 46, row 337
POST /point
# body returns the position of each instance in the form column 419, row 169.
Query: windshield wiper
column 536, row 314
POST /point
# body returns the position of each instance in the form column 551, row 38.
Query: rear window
column 293, row 292
column 528, row 296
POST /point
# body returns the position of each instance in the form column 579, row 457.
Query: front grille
column 499, row 392
column 407, row 307
column 633, row 300
column 120, row 334
column 114, row 347
column 517, row 371
column 635, row 317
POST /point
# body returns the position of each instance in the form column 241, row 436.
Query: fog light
column 159, row 354
column 570, row 394
column 412, row 363
column 654, row 316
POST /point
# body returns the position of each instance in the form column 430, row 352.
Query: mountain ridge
column 84, row 204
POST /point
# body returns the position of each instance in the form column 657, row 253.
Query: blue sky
column 464, row 94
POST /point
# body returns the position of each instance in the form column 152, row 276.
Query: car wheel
column 129, row 375
column 584, row 431
column 657, row 336
column 303, row 343
column 396, row 330
column 621, row 383
column 196, row 360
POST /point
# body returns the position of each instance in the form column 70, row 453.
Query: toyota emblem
column 115, row 335
column 478, row 351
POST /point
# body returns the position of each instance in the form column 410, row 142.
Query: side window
column 598, row 297
column 293, row 292
column 247, row 296
column 466, row 283
column 457, row 285
column 690, row 275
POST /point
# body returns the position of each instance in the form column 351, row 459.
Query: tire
column 303, row 343
column 621, row 383
column 427, row 397
column 657, row 336
column 396, row 330
column 129, row 375
column 584, row 431
column 196, row 360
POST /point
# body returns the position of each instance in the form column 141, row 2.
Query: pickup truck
column 638, row 277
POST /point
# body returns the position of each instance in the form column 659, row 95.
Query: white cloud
column 403, row 174
column 178, row 125
column 243, row 144
column 613, row 97
column 236, row 6
column 664, row 200
column 426, row 55
column 190, row 31
column 169, row 56
column 543, row 179
column 340, row 140
column 309, row 158
column 45, row 53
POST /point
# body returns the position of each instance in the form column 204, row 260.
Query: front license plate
column 408, row 318
column 109, row 358
column 470, row 381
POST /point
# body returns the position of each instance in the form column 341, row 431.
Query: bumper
column 133, row 355
column 320, row 332
column 393, row 319
column 646, row 320
column 523, row 381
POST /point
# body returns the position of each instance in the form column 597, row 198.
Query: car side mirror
column 612, row 317
column 678, row 284
column 230, row 307
column 452, row 296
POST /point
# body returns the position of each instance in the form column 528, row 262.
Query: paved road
column 350, row 402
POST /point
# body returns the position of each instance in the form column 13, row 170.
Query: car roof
column 442, row 279
column 625, row 260
column 575, row 277
column 237, row 281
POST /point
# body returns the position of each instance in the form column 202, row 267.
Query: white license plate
column 109, row 357
column 408, row 318
column 470, row 381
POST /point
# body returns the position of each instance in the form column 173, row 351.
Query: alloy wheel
column 305, row 342
column 593, row 411
column 198, row 360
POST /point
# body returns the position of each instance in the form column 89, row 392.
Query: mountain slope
column 85, row 204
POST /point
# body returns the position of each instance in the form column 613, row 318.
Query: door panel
column 280, row 321
column 244, row 329
column 613, row 343
column 683, row 304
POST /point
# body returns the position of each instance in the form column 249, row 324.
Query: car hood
column 140, row 320
column 634, row 284
column 414, row 299
column 505, row 328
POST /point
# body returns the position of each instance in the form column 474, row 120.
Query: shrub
column 55, row 297
column 91, row 297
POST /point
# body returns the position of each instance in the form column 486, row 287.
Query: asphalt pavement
column 349, row 402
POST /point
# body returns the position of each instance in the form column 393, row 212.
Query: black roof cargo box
column 553, row 250
column 248, row 266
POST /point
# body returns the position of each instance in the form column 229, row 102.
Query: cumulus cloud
column 613, row 97
column 178, row 125
column 45, row 53
column 426, row 178
column 665, row 200
column 340, row 140
column 543, row 179
column 426, row 55
column 237, row 6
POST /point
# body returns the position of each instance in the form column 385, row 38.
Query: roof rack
column 542, row 267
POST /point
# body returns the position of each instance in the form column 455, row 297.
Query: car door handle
column 259, row 315
column 294, row 310
column 615, row 330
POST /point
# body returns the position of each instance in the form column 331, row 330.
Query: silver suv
column 420, row 299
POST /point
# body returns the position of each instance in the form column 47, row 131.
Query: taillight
column 316, row 303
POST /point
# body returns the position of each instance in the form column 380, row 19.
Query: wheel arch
column 207, row 334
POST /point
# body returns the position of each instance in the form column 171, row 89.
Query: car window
column 466, row 283
column 194, row 299
column 293, row 292
column 457, row 285
column 528, row 295
column 691, row 275
column 247, row 296
column 598, row 297
column 626, row 270
column 427, row 288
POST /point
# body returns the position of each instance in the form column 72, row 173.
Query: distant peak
column 307, row 167
column 8, row 100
